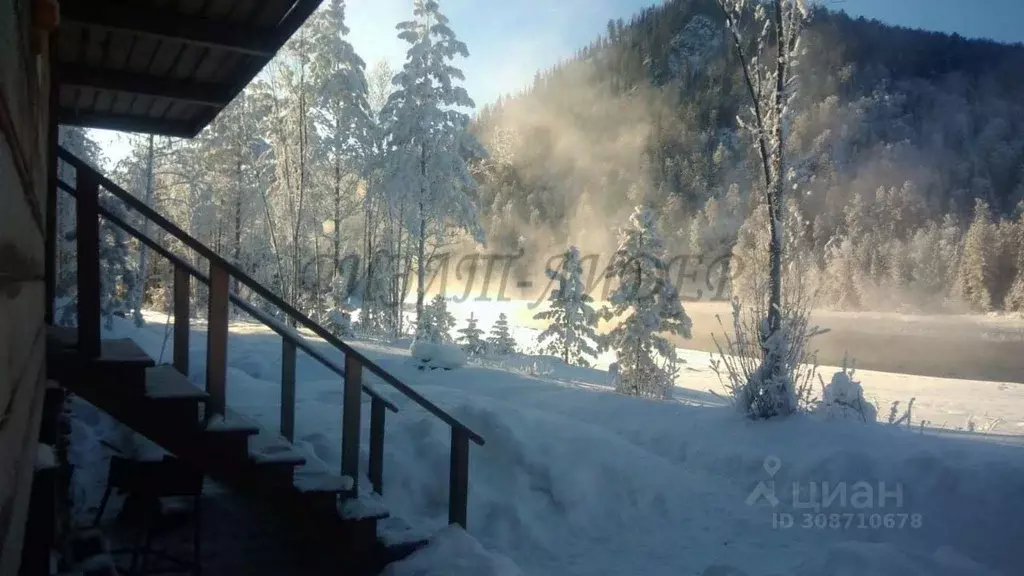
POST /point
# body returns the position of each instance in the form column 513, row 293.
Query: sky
column 510, row 40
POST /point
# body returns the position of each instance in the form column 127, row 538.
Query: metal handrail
column 265, row 293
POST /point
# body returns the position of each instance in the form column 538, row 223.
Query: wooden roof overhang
column 164, row 66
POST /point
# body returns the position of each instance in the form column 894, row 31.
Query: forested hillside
column 906, row 151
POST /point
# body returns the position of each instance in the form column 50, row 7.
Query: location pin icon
column 772, row 465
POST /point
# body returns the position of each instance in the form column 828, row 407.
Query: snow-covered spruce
column 429, row 180
column 435, row 323
column 572, row 334
column 646, row 306
column 471, row 338
column 500, row 341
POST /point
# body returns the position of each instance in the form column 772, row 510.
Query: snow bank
column 879, row 559
column 432, row 355
column 576, row 480
column 453, row 552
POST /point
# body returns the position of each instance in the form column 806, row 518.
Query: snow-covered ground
column 577, row 480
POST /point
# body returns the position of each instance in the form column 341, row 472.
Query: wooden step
column 121, row 363
column 164, row 382
column 320, row 488
column 274, row 458
column 172, row 398
column 112, row 350
column 227, row 435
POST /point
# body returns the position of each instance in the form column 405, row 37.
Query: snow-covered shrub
column 740, row 364
column 435, row 323
column 572, row 333
column 435, row 355
column 339, row 322
column 647, row 305
column 500, row 342
column 471, row 338
column 843, row 399
column 338, row 318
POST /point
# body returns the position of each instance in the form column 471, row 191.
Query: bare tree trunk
column 143, row 253
column 421, row 248
column 777, row 188
column 316, row 270
column 236, row 253
column 421, row 267
column 297, row 227
column 337, row 210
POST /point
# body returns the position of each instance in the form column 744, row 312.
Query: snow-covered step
column 268, row 448
column 366, row 506
column 230, row 422
column 310, row 478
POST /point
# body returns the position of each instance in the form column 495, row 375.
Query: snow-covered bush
column 500, row 342
column 740, row 362
column 471, row 338
column 435, row 355
column 572, row 334
column 338, row 318
column 435, row 323
column 647, row 305
column 843, row 399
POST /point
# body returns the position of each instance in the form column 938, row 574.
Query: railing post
column 350, row 419
column 458, row 478
column 88, row 259
column 217, row 341
column 181, row 319
column 288, row 389
column 377, row 415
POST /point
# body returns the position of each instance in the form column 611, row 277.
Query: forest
column 905, row 167
column 906, row 153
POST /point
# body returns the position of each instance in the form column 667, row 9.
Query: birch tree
column 766, row 41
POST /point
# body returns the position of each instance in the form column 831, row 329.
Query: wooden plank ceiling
column 164, row 66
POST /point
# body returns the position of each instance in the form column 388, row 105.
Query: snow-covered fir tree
column 342, row 114
column 428, row 138
column 471, row 338
column 500, row 341
column 974, row 277
column 572, row 332
column 646, row 306
column 435, row 323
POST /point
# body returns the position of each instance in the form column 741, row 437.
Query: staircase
column 197, row 426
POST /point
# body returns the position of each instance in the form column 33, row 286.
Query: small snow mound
column 453, row 552
column 433, row 355
column 843, row 399
column 883, row 559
